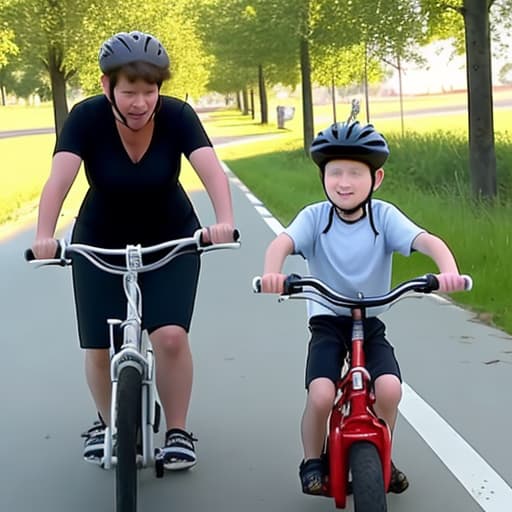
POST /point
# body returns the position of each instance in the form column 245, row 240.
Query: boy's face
column 348, row 183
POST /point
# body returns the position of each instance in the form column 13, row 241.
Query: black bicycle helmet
column 352, row 141
column 124, row 48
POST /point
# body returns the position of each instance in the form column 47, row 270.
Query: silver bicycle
column 135, row 412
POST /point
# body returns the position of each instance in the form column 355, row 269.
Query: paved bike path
column 248, row 395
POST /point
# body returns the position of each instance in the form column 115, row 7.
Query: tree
column 69, row 35
column 7, row 50
column 253, row 40
column 169, row 20
column 58, row 29
column 475, row 15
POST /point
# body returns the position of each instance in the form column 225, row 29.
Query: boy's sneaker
column 179, row 450
column 399, row 482
column 94, row 443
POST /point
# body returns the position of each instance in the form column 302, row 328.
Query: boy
column 348, row 242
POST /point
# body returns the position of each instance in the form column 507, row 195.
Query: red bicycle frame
column 353, row 419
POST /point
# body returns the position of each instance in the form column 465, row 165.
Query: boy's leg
column 314, row 420
column 325, row 354
column 385, row 371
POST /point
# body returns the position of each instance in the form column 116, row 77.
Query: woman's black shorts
column 330, row 340
column 168, row 297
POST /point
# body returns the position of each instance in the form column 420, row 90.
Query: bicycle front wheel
column 367, row 478
column 128, row 421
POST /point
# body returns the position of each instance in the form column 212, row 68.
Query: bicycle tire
column 367, row 479
column 128, row 423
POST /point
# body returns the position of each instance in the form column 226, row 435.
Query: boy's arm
column 272, row 279
column 449, row 278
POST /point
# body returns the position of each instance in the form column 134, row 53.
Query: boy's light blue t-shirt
column 349, row 257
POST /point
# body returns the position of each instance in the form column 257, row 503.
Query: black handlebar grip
column 432, row 282
column 236, row 237
column 256, row 285
column 289, row 286
column 29, row 255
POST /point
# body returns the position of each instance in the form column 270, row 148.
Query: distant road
column 23, row 133
column 44, row 131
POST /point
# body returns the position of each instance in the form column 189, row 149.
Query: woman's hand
column 219, row 234
column 45, row 248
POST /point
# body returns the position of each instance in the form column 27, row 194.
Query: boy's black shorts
column 330, row 340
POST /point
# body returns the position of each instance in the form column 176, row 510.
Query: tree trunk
column 307, row 95
column 482, row 156
column 58, row 85
column 245, row 101
column 252, row 103
column 3, row 90
column 263, row 95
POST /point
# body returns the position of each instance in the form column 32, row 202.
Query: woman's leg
column 97, row 371
column 174, row 372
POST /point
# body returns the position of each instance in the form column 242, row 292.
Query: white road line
column 483, row 484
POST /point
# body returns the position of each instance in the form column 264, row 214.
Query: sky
column 443, row 73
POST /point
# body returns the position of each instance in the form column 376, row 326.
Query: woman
column 130, row 140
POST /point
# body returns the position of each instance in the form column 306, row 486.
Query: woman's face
column 136, row 101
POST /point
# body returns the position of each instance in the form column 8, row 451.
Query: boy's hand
column 450, row 282
column 272, row 282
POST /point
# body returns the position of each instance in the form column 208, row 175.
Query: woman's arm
column 207, row 166
column 64, row 170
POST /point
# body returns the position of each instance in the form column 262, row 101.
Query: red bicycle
column 358, row 442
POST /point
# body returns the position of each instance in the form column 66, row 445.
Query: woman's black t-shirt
column 131, row 203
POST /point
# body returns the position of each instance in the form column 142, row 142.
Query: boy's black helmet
column 351, row 141
column 124, row 48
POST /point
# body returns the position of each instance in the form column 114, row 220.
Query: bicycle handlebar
column 295, row 284
column 177, row 247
